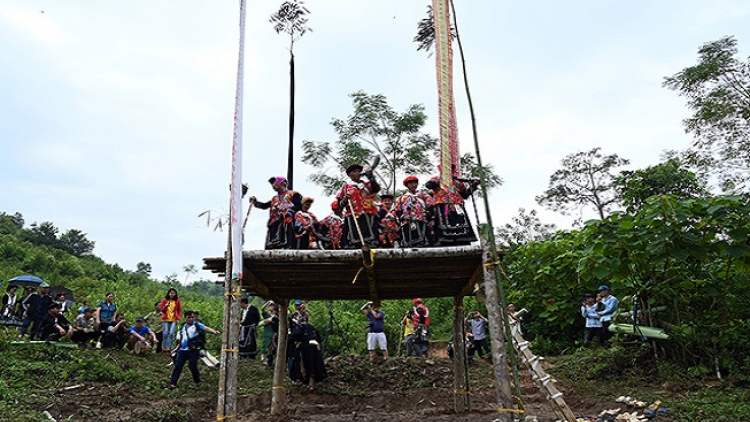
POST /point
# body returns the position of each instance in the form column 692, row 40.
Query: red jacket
column 177, row 309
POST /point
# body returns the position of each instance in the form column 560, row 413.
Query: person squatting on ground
column 610, row 306
column 54, row 325
column 117, row 334
column 189, row 343
column 171, row 313
column 249, row 320
column 139, row 337
column 376, row 330
column 478, row 324
column 85, row 328
column 593, row 320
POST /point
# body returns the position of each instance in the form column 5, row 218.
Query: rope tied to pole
column 221, row 418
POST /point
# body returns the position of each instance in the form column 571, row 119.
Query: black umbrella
column 26, row 281
column 56, row 290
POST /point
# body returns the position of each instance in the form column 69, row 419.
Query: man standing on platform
column 358, row 196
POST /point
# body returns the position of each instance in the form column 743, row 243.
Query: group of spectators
column 362, row 215
column 44, row 318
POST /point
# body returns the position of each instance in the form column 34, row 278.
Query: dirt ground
column 399, row 390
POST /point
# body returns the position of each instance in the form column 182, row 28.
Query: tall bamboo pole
column 226, row 407
column 495, row 258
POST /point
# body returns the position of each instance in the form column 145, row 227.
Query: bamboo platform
column 358, row 275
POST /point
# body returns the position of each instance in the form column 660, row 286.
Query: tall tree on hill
column 524, row 228
column 75, row 242
column 668, row 178
column 374, row 128
column 189, row 269
column 586, row 179
column 291, row 19
column 718, row 93
column 44, row 233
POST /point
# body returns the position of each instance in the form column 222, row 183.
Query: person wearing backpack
column 190, row 340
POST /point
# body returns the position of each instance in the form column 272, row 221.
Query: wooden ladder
column 543, row 380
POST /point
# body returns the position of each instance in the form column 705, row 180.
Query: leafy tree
column 374, row 128
column 691, row 256
column 586, row 179
column 75, row 242
column 143, row 268
column 291, row 19
column 11, row 224
column 667, row 178
column 718, row 92
column 44, row 234
column 189, row 269
column 425, row 37
column 523, row 229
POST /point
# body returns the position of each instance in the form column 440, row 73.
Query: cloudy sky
column 116, row 116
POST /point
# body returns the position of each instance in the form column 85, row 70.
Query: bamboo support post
column 279, row 368
column 226, row 406
column 504, row 390
column 461, row 397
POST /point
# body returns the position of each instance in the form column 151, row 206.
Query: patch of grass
column 712, row 404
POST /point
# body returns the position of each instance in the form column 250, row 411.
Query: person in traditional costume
column 357, row 199
column 388, row 222
column 451, row 222
column 307, row 340
column 248, row 329
column 305, row 226
column 332, row 228
column 413, row 211
column 281, row 214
